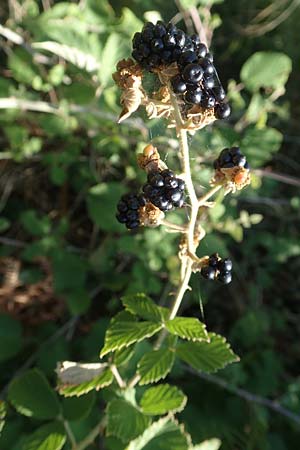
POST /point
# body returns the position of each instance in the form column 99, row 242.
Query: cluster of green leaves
column 65, row 165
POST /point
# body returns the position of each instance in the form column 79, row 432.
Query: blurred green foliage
column 64, row 164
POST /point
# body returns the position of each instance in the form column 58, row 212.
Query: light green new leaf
column 188, row 328
column 207, row 356
column 155, row 365
column 78, row 379
column 144, row 307
column 165, row 434
column 211, row 444
column 266, row 69
column 48, row 437
column 122, row 333
column 163, row 399
column 112, row 52
column 74, row 55
column 124, row 420
column 31, row 395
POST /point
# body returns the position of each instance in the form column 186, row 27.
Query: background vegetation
column 65, row 261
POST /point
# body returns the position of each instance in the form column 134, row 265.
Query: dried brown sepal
column 159, row 105
column 233, row 179
column 150, row 215
column 129, row 78
column 197, row 117
column 202, row 262
column 165, row 73
column 150, row 160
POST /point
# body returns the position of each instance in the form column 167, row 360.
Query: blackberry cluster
column 159, row 44
column 197, row 81
column 164, row 190
column 231, row 157
column 218, row 269
column 128, row 210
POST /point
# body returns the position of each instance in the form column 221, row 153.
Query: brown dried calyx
column 150, row 215
column 129, row 78
column 233, row 179
column 150, row 160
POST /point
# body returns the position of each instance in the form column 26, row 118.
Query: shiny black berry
column 193, row 97
column 219, row 93
column 222, row 111
column 201, row 50
column 208, row 272
column 225, row 265
column 208, row 101
column 224, row 277
column 128, row 210
column 192, row 73
column 187, row 57
column 178, row 85
column 231, row 157
column 164, row 190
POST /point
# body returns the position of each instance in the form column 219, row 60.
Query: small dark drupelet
column 222, row 111
column 164, row 190
column 231, row 157
column 217, row 269
column 128, row 210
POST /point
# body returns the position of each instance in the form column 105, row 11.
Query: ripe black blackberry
column 231, row 157
column 164, row 190
column 128, row 210
column 158, row 45
column 198, row 81
column 217, row 269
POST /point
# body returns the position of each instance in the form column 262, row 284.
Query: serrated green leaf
column 77, row 408
column 10, row 337
column 188, row 328
column 144, row 307
column 207, row 356
column 124, row 420
column 31, row 395
column 122, row 356
column 163, row 399
column 48, row 437
column 165, row 434
column 78, row 379
column 260, row 144
column 266, row 69
column 155, row 365
column 2, row 415
column 122, row 333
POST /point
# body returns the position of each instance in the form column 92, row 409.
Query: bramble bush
column 110, row 337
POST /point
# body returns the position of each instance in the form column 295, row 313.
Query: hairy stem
column 210, row 193
column 173, row 226
column 117, row 376
column 91, row 436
